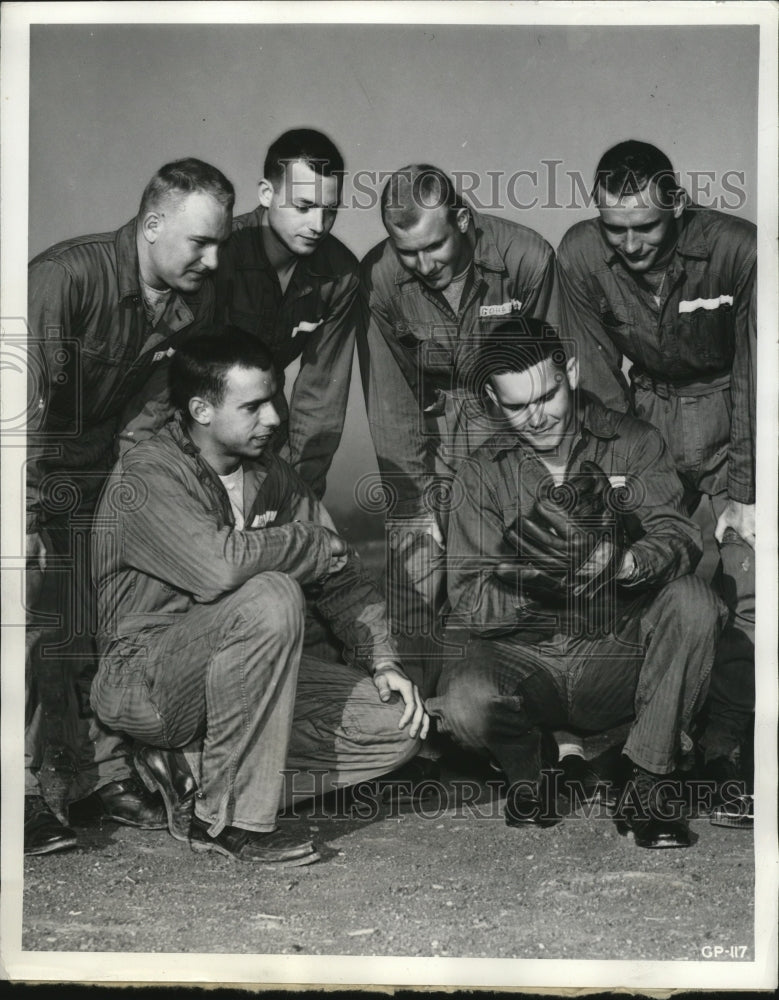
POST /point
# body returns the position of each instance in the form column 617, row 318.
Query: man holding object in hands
column 569, row 565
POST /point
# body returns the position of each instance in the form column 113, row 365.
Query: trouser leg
column 679, row 631
column 494, row 699
column 76, row 754
column 731, row 701
column 226, row 672
column 342, row 733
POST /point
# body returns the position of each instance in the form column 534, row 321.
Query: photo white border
column 124, row 967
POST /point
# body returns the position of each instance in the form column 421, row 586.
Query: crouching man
column 208, row 552
column 569, row 563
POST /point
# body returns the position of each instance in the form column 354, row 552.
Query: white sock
column 568, row 745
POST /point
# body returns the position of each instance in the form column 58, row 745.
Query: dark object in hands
column 571, row 542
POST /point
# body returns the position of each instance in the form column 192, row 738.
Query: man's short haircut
column 515, row 346
column 187, row 177
column 200, row 366
column 630, row 167
column 308, row 146
column 414, row 188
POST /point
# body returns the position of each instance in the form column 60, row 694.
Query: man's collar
column 127, row 265
column 485, row 252
column 591, row 418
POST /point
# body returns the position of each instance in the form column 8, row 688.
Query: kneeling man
column 209, row 551
column 569, row 565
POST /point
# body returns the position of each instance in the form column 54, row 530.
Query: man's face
column 302, row 210
column 638, row 228
column 435, row 249
column 183, row 238
column 537, row 403
column 242, row 424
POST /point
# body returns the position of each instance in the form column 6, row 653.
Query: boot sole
column 295, row 862
column 60, row 845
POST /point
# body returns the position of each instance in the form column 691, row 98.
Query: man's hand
column 338, row 552
column 430, row 526
column 36, row 565
column 741, row 518
column 388, row 677
column 36, row 549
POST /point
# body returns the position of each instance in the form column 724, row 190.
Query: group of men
column 203, row 646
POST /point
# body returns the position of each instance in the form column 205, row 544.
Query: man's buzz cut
column 417, row 188
column 183, row 177
column 516, row 345
column 200, row 366
column 304, row 145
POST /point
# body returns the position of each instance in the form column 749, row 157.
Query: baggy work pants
column 654, row 668
column 696, row 429
column 60, row 663
column 232, row 672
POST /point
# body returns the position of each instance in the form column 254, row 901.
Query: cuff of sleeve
column 740, row 492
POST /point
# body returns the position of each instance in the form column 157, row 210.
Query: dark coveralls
column 643, row 653
column 693, row 377
column 314, row 320
column 416, row 356
column 94, row 359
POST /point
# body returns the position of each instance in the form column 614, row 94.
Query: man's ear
column 150, row 227
column 572, row 372
column 680, row 202
column 463, row 219
column 265, row 192
column 200, row 410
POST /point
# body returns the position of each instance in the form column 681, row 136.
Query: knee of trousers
column 271, row 601
column 691, row 603
column 466, row 706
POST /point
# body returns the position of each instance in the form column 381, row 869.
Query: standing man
column 105, row 312
column 669, row 286
column 429, row 293
column 209, row 550
column 569, row 564
column 285, row 279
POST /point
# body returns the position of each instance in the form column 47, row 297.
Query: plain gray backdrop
column 110, row 104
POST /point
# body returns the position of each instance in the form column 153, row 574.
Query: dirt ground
column 435, row 879
column 445, row 877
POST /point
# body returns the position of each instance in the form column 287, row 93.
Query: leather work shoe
column 276, row 848
column 128, row 802
column 583, row 785
column 523, row 808
column 43, row 832
column 653, row 822
column 168, row 773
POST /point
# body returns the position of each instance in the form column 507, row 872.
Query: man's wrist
column 628, row 571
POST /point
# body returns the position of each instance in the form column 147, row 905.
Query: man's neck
column 282, row 259
column 221, row 464
column 145, row 271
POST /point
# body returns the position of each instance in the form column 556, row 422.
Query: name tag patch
column 513, row 305
column 692, row 305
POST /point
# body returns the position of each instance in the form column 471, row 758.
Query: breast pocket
column 705, row 336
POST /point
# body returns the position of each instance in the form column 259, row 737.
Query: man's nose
column 535, row 415
column 424, row 263
column 316, row 220
column 269, row 416
column 210, row 257
column 631, row 242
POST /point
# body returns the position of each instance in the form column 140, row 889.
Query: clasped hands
column 569, row 544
